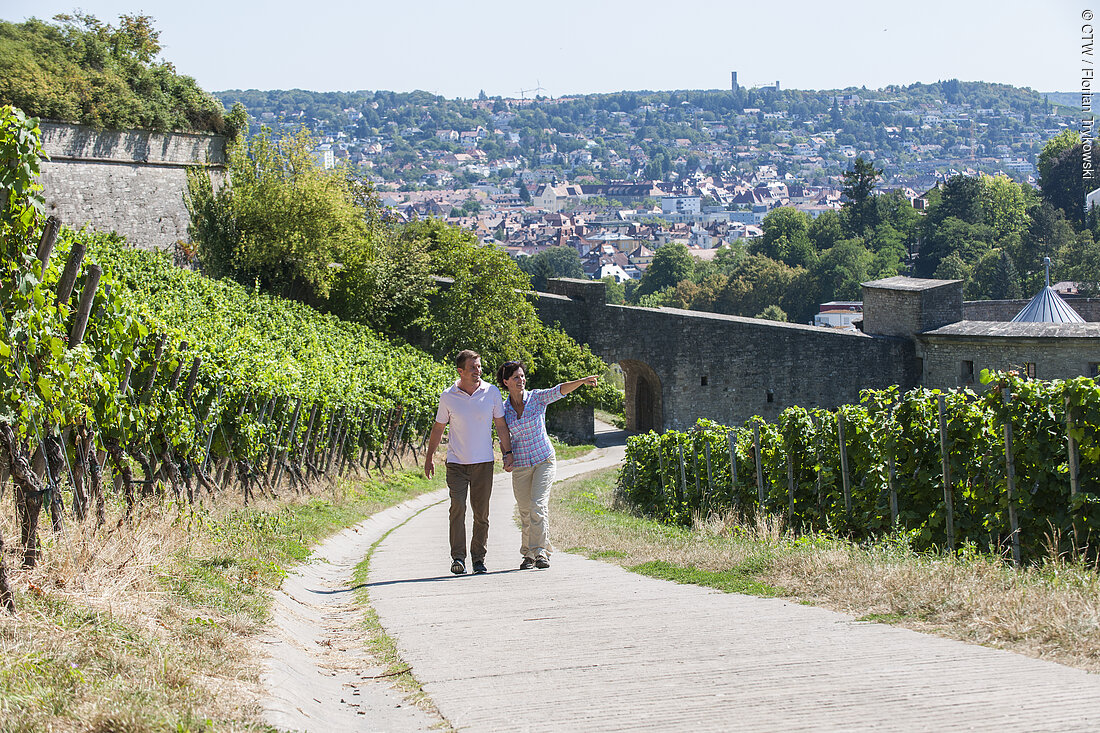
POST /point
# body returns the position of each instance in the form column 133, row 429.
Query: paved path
column 587, row 646
column 316, row 673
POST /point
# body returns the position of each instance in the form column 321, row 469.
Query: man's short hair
column 464, row 356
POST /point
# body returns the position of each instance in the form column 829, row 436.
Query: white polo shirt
column 471, row 419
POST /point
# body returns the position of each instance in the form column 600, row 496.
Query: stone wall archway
column 643, row 402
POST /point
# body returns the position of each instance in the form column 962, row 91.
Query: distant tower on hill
column 733, row 81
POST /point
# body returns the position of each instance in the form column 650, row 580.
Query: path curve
column 315, row 673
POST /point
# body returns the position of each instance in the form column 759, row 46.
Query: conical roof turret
column 1047, row 306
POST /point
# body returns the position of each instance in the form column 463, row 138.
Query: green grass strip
column 727, row 581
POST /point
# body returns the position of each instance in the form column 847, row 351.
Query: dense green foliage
column 284, row 222
column 288, row 226
column 78, row 69
column 802, row 475
column 259, row 354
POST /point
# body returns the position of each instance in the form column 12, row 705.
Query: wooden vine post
column 891, row 477
column 1010, row 482
column 948, row 490
column 790, row 487
column 661, row 476
column 76, row 337
column 710, row 480
column 49, row 238
column 845, row 480
column 759, row 466
column 695, row 467
column 1074, row 467
column 682, row 486
column 817, row 471
column 732, row 438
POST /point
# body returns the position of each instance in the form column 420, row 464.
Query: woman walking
column 533, row 457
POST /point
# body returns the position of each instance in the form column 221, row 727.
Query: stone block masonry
column 132, row 181
column 684, row 365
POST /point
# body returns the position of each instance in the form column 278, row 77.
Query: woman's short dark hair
column 507, row 369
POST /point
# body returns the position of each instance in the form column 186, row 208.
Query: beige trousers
column 531, row 485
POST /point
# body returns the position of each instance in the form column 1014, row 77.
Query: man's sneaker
column 479, row 566
column 458, row 567
column 527, row 563
column 542, row 563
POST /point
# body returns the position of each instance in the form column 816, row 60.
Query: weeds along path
column 587, row 645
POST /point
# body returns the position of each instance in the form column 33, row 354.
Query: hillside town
column 617, row 176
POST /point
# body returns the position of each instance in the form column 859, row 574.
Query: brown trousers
column 477, row 478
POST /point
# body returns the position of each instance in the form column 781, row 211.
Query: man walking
column 472, row 407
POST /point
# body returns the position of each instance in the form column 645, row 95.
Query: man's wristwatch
column 504, row 453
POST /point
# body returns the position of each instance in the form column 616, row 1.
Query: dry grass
column 100, row 643
column 1050, row 611
column 147, row 625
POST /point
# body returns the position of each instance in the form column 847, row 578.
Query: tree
column 1060, row 143
column 671, row 264
column 859, row 188
column 955, row 222
column 968, row 242
column 840, row 271
column 483, row 308
column 1006, row 281
column 786, row 237
column 1004, row 206
column 757, row 282
column 82, row 70
column 384, row 284
column 1079, row 261
column 560, row 261
column 1048, row 234
column 894, row 210
column 1065, row 186
column 772, row 313
column 952, row 267
column 284, row 222
column 616, row 291
column 993, row 277
column 826, row 230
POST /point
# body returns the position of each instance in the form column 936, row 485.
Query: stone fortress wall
column 684, row 365
column 130, row 181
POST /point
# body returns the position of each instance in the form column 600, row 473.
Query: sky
column 510, row 48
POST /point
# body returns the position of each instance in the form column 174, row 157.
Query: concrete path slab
column 588, row 646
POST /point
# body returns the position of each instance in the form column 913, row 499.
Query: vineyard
column 1014, row 468
column 114, row 362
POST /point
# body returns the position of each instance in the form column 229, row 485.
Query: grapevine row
column 1015, row 468
column 132, row 368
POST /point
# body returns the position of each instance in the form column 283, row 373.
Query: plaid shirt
column 530, row 443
